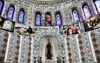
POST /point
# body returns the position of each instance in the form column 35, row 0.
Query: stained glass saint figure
column 21, row 17
column 10, row 13
column 86, row 11
column 58, row 19
column 38, row 19
column 75, row 16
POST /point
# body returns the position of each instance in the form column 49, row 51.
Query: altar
column 49, row 61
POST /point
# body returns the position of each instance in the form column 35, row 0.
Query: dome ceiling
column 46, row 1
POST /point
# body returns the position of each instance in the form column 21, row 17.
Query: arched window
column 21, row 16
column 10, row 12
column 1, row 6
column 97, row 5
column 48, row 19
column 58, row 19
column 38, row 19
column 75, row 16
column 86, row 11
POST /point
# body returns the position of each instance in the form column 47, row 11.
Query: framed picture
column 7, row 24
column 25, row 29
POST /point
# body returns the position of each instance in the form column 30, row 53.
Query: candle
column 57, row 53
column 63, row 53
column 40, row 53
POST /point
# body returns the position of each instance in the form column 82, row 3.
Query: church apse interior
column 50, row 31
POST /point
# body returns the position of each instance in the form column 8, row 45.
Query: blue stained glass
column 58, row 19
column 10, row 13
column 97, row 4
column 86, row 11
column 1, row 5
column 21, row 17
column 38, row 19
column 75, row 15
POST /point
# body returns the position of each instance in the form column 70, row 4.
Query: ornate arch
column 52, row 32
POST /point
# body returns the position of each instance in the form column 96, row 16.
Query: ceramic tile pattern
column 25, row 49
column 13, row 50
column 85, row 48
column 95, row 37
column 72, row 49
column 3, row 44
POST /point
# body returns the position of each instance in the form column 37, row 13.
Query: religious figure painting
column 92, row 24
column 25, row 29
column 7, row 24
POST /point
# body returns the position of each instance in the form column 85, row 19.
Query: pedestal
column 40, row 60
column 57, row 60
column 63, row 60
column 34, row 59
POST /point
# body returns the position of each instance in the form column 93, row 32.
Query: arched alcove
column 53, row 33
column 55, row 51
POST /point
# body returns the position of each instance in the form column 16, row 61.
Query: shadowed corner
column 46, row 0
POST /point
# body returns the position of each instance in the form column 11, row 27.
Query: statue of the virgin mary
column 49, row 49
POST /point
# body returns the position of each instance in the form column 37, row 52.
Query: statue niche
column 49, row 47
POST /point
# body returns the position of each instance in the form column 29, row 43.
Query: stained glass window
column 58, row 19
column 10, row 13
column 75, row 16
column 86, row 11
column 1, row 6
column 97, row 5
column 21, row 17
column 48, row 20
column 38, row 19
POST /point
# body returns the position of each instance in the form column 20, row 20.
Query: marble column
column 16, row 12
column 53, row 18
column 62, row 16
column 43, row 19
column 5, row 9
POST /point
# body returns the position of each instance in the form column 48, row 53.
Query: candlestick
column 57, row 60
column 63, row 60
column 40, row 53
column 40, row 60
column 57, row 53
column 63, row 53
column 34, row 59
